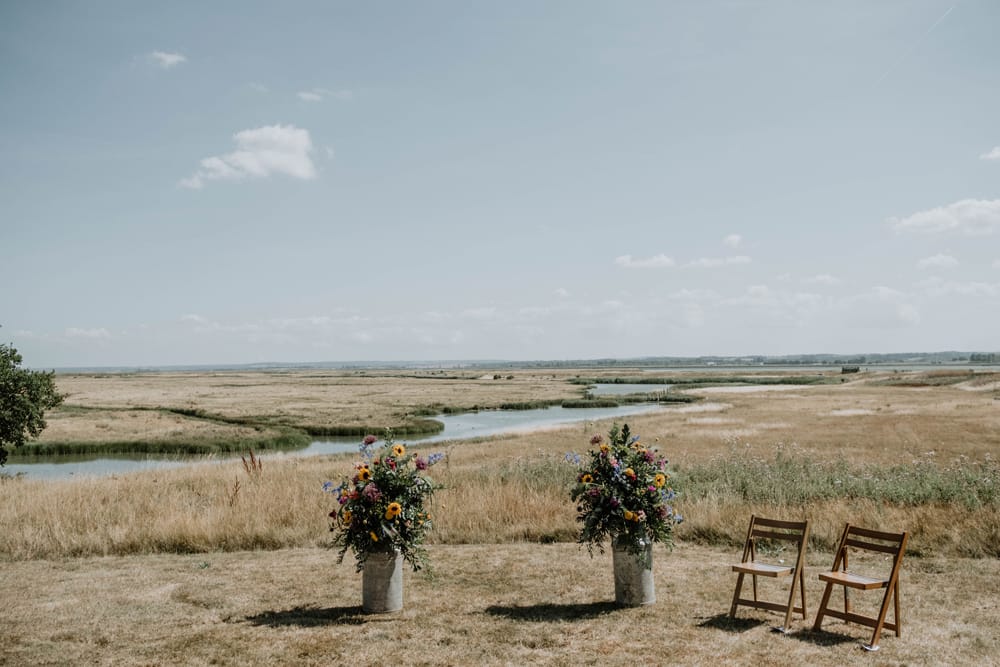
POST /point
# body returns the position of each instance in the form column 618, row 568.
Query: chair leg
column 802, row 588
column 736, row 595
column 822, row 606
column 873, row 645
column 791, row 604
column 895, row 600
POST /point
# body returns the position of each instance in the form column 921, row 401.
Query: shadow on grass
column 553, row 612
column 310, row 616
column 723, row 622
column 822, row 637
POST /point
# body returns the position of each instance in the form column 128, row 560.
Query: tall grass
column 491, row 493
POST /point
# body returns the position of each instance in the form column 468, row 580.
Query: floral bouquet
column 623, row 492
column 382, row 507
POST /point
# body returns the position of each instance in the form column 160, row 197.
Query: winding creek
column 465, row 426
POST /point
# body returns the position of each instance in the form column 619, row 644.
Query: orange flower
column 393, row 510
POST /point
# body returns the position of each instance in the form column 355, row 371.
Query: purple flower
column 370, row 439
column 596, row 440
column 651, row 488
column 648, row 455
column 372, row 493
column 615, row 503
column 421, row 463
column 434, row 458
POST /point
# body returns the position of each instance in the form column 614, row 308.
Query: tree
column 24, row 397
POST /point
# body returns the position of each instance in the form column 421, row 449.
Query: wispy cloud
column 823, row 279
column 320, row 94
column 991, row 155
column 74, row 332
column 714, row 262
column 654, row 262
column 733, row 240
column 563, row 293
column 938, row 261
column 996, row 263
column 258, row 87
column 974, row 217
column 260, row 152
column 166, row 60
column 938, row 287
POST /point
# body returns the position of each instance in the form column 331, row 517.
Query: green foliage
column 622, row 493
column 797, row 480
column 382, row 507
column 24, row 397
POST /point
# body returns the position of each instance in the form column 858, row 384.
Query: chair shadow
column 553, row 612
column 738, row 624
column 310, row 617
column 822, row 637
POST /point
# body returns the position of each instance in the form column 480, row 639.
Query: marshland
column 227, row 561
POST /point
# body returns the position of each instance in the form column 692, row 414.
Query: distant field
column 122, row 566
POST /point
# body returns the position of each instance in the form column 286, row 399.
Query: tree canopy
column 25, row 395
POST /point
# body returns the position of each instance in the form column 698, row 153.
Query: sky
column 248, row 182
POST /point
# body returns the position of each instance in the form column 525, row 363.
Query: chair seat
column 763, row 569
column 853, row 580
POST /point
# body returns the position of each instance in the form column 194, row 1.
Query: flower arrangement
column 623, row 492
column 383, row 506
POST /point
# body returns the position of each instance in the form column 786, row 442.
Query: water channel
column 464, row 426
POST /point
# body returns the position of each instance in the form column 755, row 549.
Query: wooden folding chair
column 863, row 539
column 796, row 532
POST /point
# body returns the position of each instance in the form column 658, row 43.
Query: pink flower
column 596, row 440
column 370, row 439
column 421, row 463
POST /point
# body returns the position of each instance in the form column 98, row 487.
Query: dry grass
column 512, row 605
column 223, row 563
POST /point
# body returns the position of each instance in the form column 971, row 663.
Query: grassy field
column 218, row 564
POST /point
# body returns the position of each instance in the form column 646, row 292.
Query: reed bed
column 502, row 491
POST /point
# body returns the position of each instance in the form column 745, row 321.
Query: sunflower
column 398, row 450
column 629, row 516
column 660, row 480
column 587, row 478
column 629, row 473
column 364, row 474
column 393, row 510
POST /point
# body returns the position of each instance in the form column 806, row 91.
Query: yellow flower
column 629, row 516
column 398, row 450
column 393, row 510
column 587, row 479
column 605, row 448
column 345, row 516
column 373, row 536
column 660, row 480
column 630, row 473
column 364, row 474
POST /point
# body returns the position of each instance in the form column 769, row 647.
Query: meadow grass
column 225, row 562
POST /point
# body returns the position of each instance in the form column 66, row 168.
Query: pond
column 456, row 427
column 624, row 389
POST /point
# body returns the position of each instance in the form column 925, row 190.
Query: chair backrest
column 773, row 529
column 866, row 539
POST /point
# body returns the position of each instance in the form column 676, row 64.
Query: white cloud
column 881, row 307
column 733, row 240
column 320, row 94
column 938, row 287
column 655, row 262
column 974, row 217
column 996, row 263
column 273, row 149
column 258, row 87
column 190, row 317
column 992, row 155
column 713, row 262
column 74, row 332
column 938, row 261
column 167, row 60
column 562, row 292
column 823, row 279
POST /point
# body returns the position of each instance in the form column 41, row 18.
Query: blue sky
column 239, row 182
